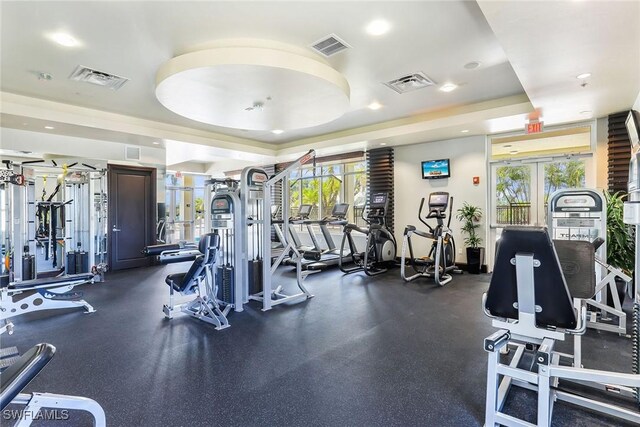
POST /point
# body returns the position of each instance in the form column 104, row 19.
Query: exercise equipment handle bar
column 450, row 211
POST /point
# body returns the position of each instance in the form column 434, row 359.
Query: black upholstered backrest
column 16, row 377
column 208, row 246
column 551, row 293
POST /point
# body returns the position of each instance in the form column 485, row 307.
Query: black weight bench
column 17, row 376
column 172, row 252
column 200, row 280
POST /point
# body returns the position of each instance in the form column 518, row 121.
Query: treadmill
column 303, row 218
column 330, row 256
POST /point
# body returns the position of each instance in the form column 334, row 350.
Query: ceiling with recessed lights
column 490, row 65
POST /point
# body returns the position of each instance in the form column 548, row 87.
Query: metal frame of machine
column 580, row 214
column 256, row 195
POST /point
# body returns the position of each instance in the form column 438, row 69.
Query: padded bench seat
column 44, row 282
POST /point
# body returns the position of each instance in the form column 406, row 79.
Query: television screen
column 433, row 169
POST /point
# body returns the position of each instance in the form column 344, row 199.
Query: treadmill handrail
column 17, row 376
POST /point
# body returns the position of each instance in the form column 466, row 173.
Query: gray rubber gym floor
column 364, row 351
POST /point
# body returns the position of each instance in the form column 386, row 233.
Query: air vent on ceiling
column 329, row 45
column 100, row 78
column 410, row 83
column 132, row 153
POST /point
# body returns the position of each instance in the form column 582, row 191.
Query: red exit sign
column 534, row 127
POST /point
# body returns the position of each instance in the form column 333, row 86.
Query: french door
column 520, row 190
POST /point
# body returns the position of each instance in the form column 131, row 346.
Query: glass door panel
column 514, row 188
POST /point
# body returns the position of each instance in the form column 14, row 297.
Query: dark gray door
column 132, row 215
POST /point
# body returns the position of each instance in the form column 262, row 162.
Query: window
column 332, row 183
column 185, row 210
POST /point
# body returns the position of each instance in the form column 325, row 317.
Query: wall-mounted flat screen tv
column 436, row 169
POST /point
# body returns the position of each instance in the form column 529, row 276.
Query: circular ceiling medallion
column 253, row 84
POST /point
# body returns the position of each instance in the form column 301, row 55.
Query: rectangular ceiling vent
column 100, row 78
column 132, row 152
column 329, row 45
column 410, row 83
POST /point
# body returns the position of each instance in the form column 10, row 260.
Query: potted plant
column 620, row 239
column 470, row 216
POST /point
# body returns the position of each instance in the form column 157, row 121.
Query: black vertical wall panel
column 619, row 153
column 380, row 164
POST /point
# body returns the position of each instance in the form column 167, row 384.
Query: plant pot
column 475, row 258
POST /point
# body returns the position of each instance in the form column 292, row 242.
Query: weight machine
column 580, row 214
column 256, row 191
column 53, row 244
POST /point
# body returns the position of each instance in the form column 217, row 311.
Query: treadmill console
column 340, row 210
column 304, row 211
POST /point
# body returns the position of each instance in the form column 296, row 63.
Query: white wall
column 602, row 153
column 468, row 159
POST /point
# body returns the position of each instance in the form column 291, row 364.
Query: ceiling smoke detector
column 329, row 45
column 100, row 78
column 410, row 83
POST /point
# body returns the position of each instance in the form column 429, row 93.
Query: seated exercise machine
column 536, row 297
column 20, row 373
column 200, row 280
column 441, row 261
column 380, row 244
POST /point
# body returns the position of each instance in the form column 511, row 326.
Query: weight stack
column 28, row 267
column 255, row 276
column 70, row 264
column 225, row 283
column 82, row 262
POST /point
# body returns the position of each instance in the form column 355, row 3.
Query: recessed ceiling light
column 375, row 105
column 49, row 127
column 277, row 131
column 585, row 112
column 472, row 65
column 507, row 146
column 156, row 143
column 64, row 39
column 378, row 27
column 383, row 143
column 583, row 75
column 465, row 131
column 45, row 76
column 448, row 87
column 513, row 152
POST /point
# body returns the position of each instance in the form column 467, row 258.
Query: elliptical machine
column 380, row 245
column 440, row 263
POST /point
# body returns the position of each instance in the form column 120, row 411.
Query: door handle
column 115, row 229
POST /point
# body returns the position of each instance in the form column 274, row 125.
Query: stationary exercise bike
column 380, row 245
column 441, row 261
